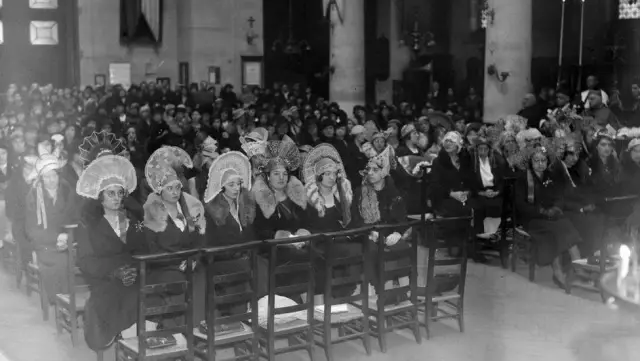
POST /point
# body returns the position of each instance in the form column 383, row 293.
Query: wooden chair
column 388, row 317
column 69, row 306
column 596, row 271
column 298, row 332
column 521, row 240
column 34, row 284
column 354, row 323
column 245, row 340
column 435, row 297
column 135, row 348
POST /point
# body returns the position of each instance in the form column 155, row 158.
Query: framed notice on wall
column 214, row 75
column 120, row 73
column 252, row 71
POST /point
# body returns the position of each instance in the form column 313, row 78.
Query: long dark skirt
column 591, row 227
column 484, row 207
column 53, row 272
column 339, row 249
column 452, row 208
column 552, row 238
column 113, row 308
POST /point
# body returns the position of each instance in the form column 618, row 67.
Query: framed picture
column 100, row 80
column 214, row 75
column 252, row 71
column 183, row 73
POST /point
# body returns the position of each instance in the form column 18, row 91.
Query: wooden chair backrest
column 213, row 299
column 185, row 308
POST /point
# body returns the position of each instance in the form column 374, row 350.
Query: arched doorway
column 39, row 42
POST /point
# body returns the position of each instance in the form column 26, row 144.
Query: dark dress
column 484, row 206
column 112, row 307
column 446, row 178
column 52, row 263
column 552, row 236
column 578, row 195
column 392, row 210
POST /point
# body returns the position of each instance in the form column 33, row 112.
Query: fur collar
column 218, row 209
column 317, row 201
column 266, row 198
column 155, row 214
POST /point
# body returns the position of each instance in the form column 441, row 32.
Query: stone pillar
column 389, row 16
column 347, row 55
column 508, row 48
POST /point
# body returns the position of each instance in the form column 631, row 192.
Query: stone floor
column 507, row 318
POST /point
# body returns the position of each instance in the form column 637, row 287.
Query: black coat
column 446, row 178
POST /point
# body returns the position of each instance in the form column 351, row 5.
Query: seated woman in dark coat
column 378, row 201
column 573, row 175
column 452, row 182
column 329, row 195
column 282, row 203
column 539, row 207
column 108, row 235
column 49, row 207
column 231, row 211
column 173, row 220
column 631, row 167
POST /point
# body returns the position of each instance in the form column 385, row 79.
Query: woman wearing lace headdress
column 378, row 201
column 108, row 235
column 541, row 209
column 231, row 211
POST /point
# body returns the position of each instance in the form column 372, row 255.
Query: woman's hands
column 126, row 274
column 391, row 239
column 61, row 243
column 459, row 196
column 552, row 213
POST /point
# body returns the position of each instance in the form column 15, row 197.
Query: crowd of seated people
column 150, row 170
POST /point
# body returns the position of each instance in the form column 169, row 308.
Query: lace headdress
column 45, row 163
column 284, row 152
column 227, row 168
column 164, row 166
column 255, row 142
column 321, row 158
column 99, row 144
column 104, row 172
column 386, row 160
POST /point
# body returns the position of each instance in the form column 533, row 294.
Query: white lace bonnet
column 321, row 158
column 163, row 166
column 225, row 169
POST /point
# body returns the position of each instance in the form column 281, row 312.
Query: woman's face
column 278, row 178
column 570, row 156
column 217, row 123
column 171, row 193
column 341, row 132
column 374, row 174
column 635, row 154
column 510, row 145
column 450, row 146
column 113, row 198
column 394, row 130
column 483, row 151
column 605, row 147
column 415, row 137
column 379, row 144
column 313, row 129
column 232, row 189
column 539, row 162
column 329, row 178
column 70, row 133
column 283, row 129
column 18, row 145
column 50, row 180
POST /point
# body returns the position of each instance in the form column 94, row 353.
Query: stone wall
column 203, row 33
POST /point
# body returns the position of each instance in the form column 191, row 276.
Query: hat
column 255, row 142
column 386, row 161
column 358, row 129
column 397, row 123
column 164, row 165
column 326, row 123
column 99, row 144
column 225, row 169
column 633, row 143
column 284, row 153
column 169, row 107
column 407, row 130
column 454, row 137
column 238, row 113
column 181, row 108
column 322, row 158
column 104, row 172
column 46, row 163
column 145, row 108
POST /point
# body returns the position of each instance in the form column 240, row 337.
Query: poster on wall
column 120, row 73
column 252, row 70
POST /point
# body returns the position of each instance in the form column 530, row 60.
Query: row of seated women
column 236, row 207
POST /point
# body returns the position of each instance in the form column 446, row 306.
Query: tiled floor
column 507, row 319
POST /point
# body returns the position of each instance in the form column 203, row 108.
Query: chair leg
column 74, row 327
column 44, row 301
column 58, row 318
column 568, row 282
column 416, row 325
column 310, row 342
column 382, row 333
column 366, row 338
column 514, row 254
column 427, row 317
column 326, row 338
column 532, row 261
column 100, row 356
column 461, row 315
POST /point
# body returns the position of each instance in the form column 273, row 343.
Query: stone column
column 347, row 55
column 508, row 48
column 389, row 16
